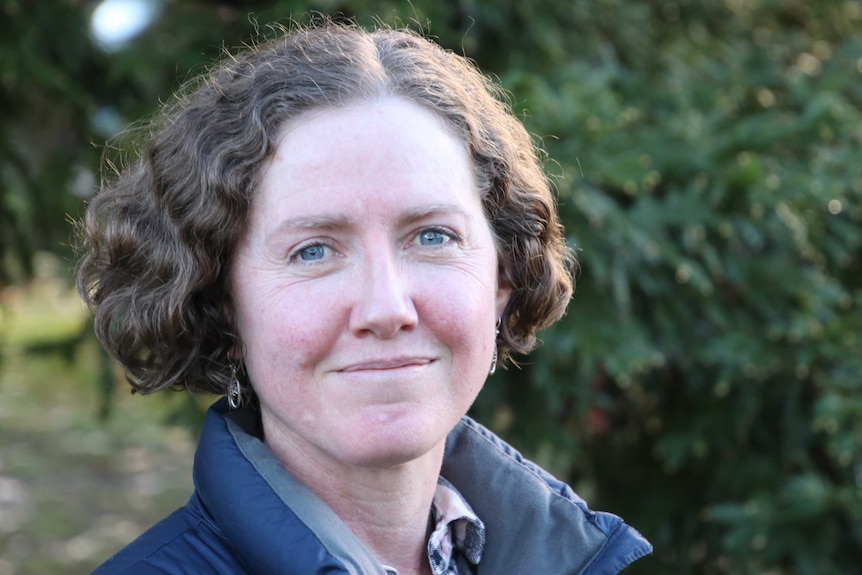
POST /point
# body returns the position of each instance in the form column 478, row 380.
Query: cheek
column 286, row 328
column 461, row 313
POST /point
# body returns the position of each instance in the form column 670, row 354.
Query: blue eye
column 312, row 253
column 432, row 238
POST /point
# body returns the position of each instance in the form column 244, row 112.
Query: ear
column 504, row 294
column 237, row 350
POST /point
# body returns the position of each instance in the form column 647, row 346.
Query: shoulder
column 182, row 543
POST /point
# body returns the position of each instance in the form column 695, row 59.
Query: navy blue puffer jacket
column 249, row 516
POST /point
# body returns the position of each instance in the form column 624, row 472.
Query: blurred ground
column 74, row 488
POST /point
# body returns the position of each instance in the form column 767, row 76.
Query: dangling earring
column 494, row 357
column 234, row 393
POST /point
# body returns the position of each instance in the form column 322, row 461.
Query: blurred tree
column 45, row 89
column 708, row 375
column 706, row 382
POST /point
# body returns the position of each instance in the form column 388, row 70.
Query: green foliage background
column 707, row 381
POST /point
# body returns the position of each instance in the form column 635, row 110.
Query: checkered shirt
column 458, row 538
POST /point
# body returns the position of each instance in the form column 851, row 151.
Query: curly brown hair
column 157, row 240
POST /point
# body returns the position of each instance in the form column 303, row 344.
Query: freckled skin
column 366, row 288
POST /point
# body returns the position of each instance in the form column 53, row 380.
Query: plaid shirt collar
column 458, row 536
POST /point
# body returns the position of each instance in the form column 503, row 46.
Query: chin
column 384, row 456
column 396, row 442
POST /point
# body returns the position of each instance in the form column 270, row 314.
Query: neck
column 391, row 516
column 387, row 508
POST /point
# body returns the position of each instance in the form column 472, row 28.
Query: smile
column 387, row 364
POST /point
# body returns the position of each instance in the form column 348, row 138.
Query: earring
column 234, row 394
column 494, row 357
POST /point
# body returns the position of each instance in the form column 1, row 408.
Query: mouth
column 387, row 364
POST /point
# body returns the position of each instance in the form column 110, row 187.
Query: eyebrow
column 308, row 223
column 422, row 212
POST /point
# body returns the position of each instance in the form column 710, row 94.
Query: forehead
column 384, row 144
column 413, row 129
column 391, row 156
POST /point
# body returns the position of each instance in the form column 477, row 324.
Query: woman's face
column 366, row 286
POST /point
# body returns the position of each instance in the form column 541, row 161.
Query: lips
column 387, row 364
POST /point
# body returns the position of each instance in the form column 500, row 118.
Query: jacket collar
column 534, row 523
column 272, row 522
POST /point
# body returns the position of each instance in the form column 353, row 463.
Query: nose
column 384, row 306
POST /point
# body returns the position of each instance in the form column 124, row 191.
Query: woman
column 343, row 232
